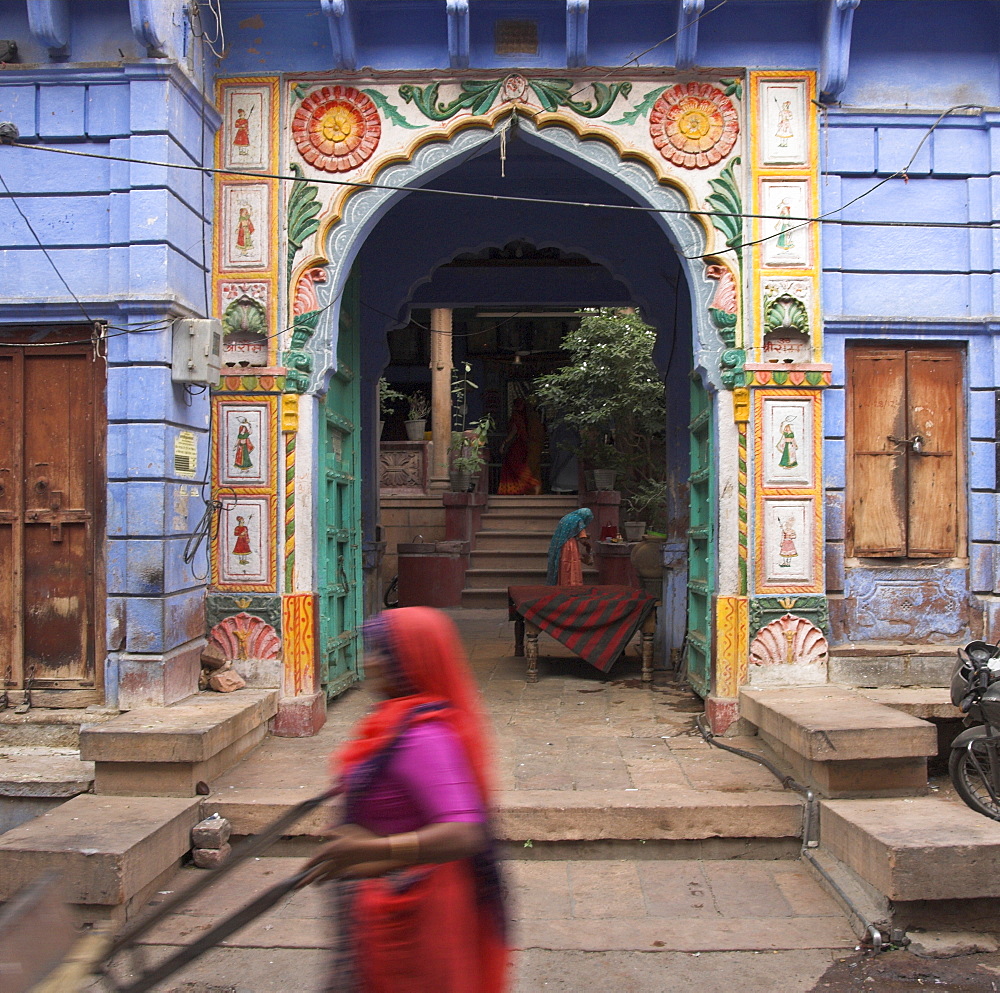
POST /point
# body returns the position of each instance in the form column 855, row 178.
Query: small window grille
column 516, row 37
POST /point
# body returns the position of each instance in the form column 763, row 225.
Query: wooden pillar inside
column 440, row 395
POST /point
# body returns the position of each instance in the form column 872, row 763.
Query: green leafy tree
column 612, row 394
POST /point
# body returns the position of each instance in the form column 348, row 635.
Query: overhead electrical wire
column 798, row 222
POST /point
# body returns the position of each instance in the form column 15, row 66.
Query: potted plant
column 466, row 455
column 416, row 422
column 612, row 394
column 387, row 400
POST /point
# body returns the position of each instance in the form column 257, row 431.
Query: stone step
column 501, row 558
column 552, row 817
column 479, row 599
column 55, row 728
column 519, row 522
column 110, row 853
column 929, row 858
column 493, row 578
column 35, row 779
column 167, row 751
column 892, row 664
column 516, row 540
column 550, row 500
column 841, row 743
column 925, row 702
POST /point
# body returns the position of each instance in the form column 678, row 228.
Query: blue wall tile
column 833, row 413
column 17, row 105
column 850, row 150
column 834, row 474
column 107, row 110
column 983, row 517
column 982, row 465
column 982, row 413
column 61, row 111
column 982, row 567
column 834, row 515
column 835, row 576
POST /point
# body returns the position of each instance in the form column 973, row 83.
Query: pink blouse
column 428, row 780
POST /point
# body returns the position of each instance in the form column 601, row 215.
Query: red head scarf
column 423, row 646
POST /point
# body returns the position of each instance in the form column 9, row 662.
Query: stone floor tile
column 653, row 773
column 746, row 889
column 538, row 890
column 675, row 889
column 804, row 895
column 720, row 771
column 605, row 890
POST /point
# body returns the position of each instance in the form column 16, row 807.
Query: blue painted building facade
column 898, row 107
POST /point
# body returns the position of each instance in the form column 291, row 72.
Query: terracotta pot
column 647, row 557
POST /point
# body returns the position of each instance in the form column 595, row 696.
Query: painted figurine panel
column 784, row 203
column 788, row 550
column 244, row 542
column 787, row 442
column 245, row 225
column 784, row 126
column 247, row 117
column 244, row 455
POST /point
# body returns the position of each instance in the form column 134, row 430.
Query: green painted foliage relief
column 727, row 202
column 303, row 206
column 478, row 95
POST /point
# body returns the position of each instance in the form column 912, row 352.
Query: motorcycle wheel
column 969, row 783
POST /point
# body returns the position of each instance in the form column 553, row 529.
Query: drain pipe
column 809, row 824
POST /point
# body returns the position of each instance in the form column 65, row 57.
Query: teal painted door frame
column 338, row 538
column 701, row 541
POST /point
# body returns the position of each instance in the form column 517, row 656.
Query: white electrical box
column 197, row 351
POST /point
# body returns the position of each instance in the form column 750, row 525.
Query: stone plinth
column 167, row 751
column 841, row 743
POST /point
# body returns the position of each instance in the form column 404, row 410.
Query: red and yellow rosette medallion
column 694, row 125
column 336, row 128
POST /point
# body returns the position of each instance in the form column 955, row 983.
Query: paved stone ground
column 577, row 925
column 635, row 918
column 575, row 729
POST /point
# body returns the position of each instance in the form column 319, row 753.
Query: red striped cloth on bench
column 595, row 622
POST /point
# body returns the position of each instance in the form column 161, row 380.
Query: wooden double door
column 52, row 429
column 905, row 444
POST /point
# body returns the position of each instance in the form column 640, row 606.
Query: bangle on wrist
column 404, row 848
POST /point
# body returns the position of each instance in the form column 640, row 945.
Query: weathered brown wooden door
column 51, row 521
column 905, row 437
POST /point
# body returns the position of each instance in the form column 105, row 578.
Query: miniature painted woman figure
column 244, row 446
column 788, row 446
column 569, row 550
column 244, row 231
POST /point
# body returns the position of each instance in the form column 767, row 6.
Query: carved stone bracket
column 219, row 606
column 763, row 610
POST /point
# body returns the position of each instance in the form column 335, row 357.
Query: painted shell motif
column 789, row 640
column 245, row 636
column 336, row 128
column 694, row 125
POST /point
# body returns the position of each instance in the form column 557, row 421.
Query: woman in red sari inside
column 420, row 904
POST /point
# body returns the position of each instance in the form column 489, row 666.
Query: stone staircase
column 910, row 861
column 512, row 547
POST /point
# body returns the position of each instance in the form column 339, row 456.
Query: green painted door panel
column 701, row 542
column 339, row 520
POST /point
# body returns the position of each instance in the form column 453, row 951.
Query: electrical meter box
column 197, row 351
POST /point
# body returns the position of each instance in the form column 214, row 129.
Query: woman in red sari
column 419, row 897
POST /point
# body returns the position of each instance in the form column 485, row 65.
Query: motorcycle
column 974, row 763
